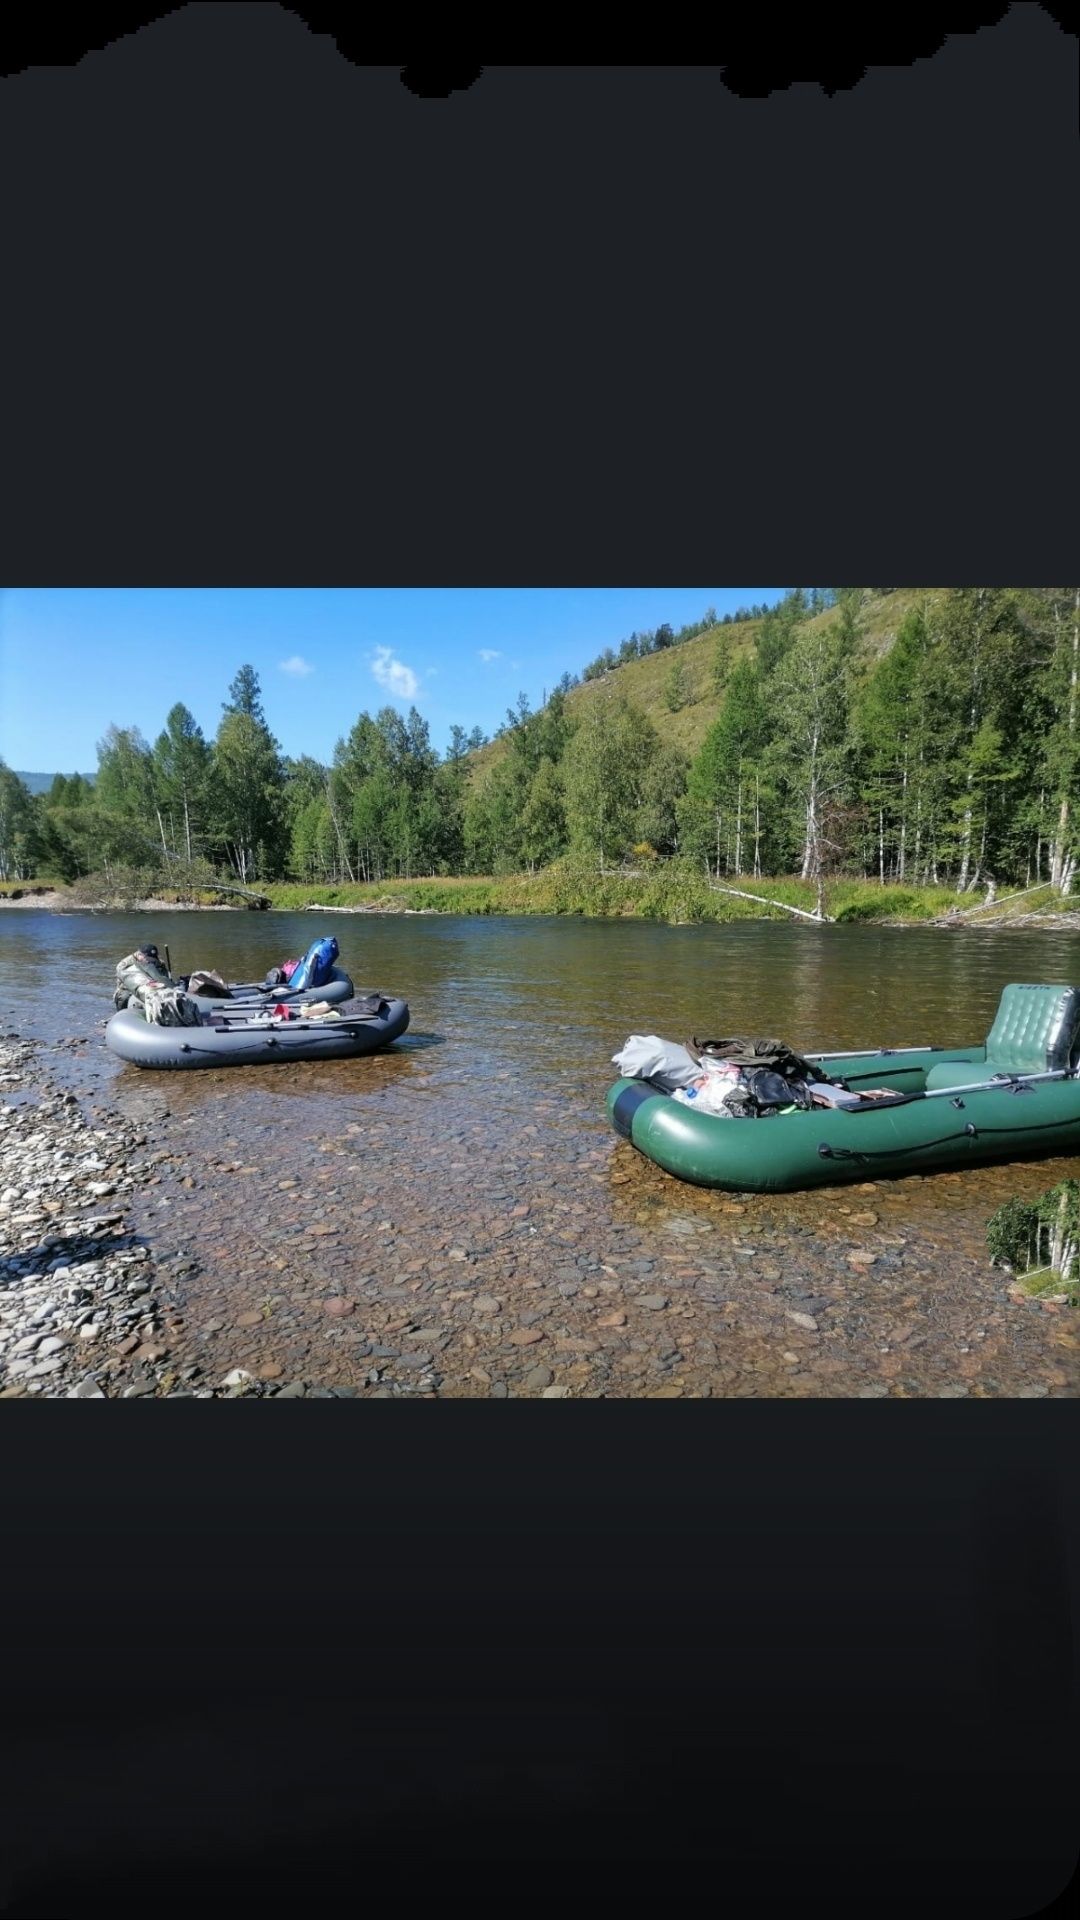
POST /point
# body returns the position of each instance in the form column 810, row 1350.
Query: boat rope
column 252, row 1029
column 270, row 1039
column 971, row 1131
column 826, row 1152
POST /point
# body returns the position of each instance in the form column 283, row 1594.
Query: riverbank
column 671, row 893
column 61, row 900
column 79, row 1291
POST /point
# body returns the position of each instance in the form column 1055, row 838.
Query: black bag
column 770, row 1090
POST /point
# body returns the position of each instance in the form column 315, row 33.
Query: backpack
column 166, row 1006
column 138, row 969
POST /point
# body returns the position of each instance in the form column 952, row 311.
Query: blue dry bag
column 316, row 966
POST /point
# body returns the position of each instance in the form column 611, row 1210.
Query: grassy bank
column 671, row 892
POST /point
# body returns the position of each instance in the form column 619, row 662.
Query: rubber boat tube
column 254, row 1041
column 338, row 987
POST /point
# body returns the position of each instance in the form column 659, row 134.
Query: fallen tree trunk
column 762, row 901
column 1044, row 886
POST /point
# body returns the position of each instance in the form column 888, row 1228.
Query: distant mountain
column 41, row 782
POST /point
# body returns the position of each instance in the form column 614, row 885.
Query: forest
column 947, row 756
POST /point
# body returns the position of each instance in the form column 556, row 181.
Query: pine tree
column 245, row 697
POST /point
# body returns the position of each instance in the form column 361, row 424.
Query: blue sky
column 73, row 660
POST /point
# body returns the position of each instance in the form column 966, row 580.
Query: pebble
column 539, row 1377
column 654, row 1301
column 804, row 1320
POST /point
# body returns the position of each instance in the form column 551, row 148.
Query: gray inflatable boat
column 256, row 1037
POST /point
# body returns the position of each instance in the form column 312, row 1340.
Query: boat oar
column 974, row 1086
column 294, row 1026
column 872, row 1053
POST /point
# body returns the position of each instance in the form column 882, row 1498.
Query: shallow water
column 474, row 1159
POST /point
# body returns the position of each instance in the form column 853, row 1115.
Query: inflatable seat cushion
column 1035, row 1030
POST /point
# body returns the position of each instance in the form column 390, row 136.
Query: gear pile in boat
column 738, row 1078
column 145, row 985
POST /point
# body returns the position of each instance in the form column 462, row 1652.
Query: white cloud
column 488, row 653
column 296, row 664
column 393, row 675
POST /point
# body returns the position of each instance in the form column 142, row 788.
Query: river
column 471, row 1219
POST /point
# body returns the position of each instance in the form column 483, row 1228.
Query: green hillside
column 644, row 681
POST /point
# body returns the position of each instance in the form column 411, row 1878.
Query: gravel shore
column 85, row 1312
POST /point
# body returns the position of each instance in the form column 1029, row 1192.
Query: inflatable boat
column 255, row 1037
column 1015, row 1097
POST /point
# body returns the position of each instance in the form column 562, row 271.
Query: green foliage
column 606, row 768
column 20, row 830
column 677, row 689
column 1039, row 1240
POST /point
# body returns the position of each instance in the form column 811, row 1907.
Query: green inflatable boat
column 1015, row 1097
